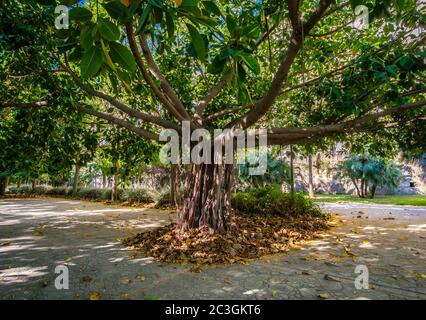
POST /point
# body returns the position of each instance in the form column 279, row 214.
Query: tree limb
column 262, row 106
column 123, row 123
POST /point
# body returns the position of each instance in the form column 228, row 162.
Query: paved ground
column 36, row 235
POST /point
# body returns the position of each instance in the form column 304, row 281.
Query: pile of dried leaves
column 249, row 237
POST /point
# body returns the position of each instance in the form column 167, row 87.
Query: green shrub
column 13, row 190
column 107, row 194
column 90, row 193
column 137, row 195
column 271, row 200
column 21, row 190
column 59, row 191
column 162, row 197
column 42, row 189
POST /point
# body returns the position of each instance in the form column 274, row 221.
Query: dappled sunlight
column 21, row 274
column 417, row 228
column 254, row 292
column 88, row 242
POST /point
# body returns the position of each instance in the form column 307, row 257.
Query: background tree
column 368, row 172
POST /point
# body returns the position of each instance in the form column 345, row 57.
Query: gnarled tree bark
column 207, row 197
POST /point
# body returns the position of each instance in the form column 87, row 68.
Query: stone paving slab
column 36, row 235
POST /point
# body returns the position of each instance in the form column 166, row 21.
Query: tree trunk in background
column 3, row 185
column 174, row 184
column 356, row 187
column 318, row 163
column 310, row 177
column 114, row 195
column 76, row 176
column 33, row 184
column 207, row 197
column 291, row 169
column 18, row 183
column 365, row 189
column 104, row 181
column 373, row 191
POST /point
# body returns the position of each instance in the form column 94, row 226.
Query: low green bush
column 20, row 190
column 162, row 197
column 271, row 200
column 42, row 189
column 90, row 193
column 58, row 191
column 139, row 195
column 13, row 190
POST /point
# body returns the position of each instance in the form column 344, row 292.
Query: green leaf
column 170, row 24
column 197, row 41
column 189, row 3
column 121, row 55
column 91, row 62
column 70, row 3
column 46, row 2
column 144, row 18
column 156, row 3
column 216, row 66
column 86, row 37
column 392, row 69
column 211, row 7
column 80, row 14
column 231, row 25
column 115, row 9
column 251, row 62
column 108, row 30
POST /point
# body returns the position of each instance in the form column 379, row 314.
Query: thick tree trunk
column 76, row 176
column 206, row 200
column 33, row 185
column 310, row 177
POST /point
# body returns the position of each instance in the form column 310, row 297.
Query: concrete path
column 37, row 235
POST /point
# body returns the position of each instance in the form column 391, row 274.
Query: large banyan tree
column 304, row 70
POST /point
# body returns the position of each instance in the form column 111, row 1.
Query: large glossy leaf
column 197, row 42
column 121, row 55
column 91, row 62
column 211, row 7
column 80, row 14
column 251, row 62
column 115, row 9
column 108, row 30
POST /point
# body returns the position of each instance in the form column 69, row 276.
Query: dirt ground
column 37, row 235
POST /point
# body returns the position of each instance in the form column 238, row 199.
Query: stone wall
column 327, row 178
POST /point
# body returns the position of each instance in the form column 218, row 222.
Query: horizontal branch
column 123, row 123
column 262, row 106
column 118, row 104
column 27, row 105
column 292, row 135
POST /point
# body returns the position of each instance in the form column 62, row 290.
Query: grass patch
column 415, row 200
